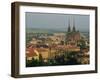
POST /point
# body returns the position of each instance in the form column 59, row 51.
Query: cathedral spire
column 74, row 29
column 69, row 29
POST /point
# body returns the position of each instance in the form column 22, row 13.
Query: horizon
column 59, row 22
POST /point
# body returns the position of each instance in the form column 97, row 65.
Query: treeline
column 69, row 58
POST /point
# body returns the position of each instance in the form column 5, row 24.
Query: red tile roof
column 30, row 52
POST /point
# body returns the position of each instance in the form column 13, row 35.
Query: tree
column 72, row 58
column 40, row 59
column 82, row 44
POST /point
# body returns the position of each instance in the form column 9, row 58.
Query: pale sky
column 56, row 21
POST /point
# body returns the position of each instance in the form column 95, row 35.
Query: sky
column 56, row 21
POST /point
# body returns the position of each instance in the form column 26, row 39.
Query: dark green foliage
column 33, row 62
column 82, row 44
column 68, row 58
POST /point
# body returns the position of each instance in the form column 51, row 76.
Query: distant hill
column 36, row 30
column 46, row 30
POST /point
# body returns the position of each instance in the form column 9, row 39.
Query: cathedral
column 72, row 35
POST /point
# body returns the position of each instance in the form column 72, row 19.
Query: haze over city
column 57, row 21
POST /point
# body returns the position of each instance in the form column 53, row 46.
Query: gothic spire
column 74, row 29
column 69, row 29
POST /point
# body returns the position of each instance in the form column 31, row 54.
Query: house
column 32, row 53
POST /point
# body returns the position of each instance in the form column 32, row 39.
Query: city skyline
column 57, row 21
column 56, row 39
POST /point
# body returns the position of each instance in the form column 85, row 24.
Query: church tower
column 69, row 29
column 74, row 29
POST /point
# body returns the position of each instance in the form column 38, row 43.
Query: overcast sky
column 56, row 21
